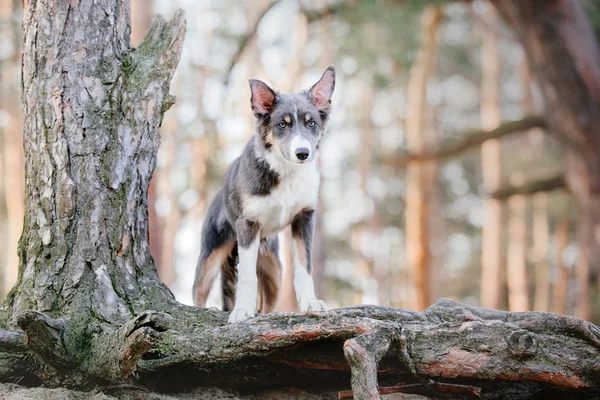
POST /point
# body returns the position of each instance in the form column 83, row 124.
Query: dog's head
column 292, row 124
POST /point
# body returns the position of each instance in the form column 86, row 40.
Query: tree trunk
column 421, row 177
column 517, row 276
column 492, row 280
column 516, row 266
column 561, row 283
column 92, row 108
column 539, row 203
column 541, row 238
column 87, row 283
column 564, row 54
column 141, row 17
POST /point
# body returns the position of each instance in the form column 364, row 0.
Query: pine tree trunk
column 90, row 149
column 539, row 203
column 516, row 266
column 492, row 278
column 421, row 177
column 541, row 238
column 564, row 54
column 561, row 282
column 141, row 17
column 92, row 107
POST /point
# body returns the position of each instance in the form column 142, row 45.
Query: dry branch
column 472, row 140
column 543, row 185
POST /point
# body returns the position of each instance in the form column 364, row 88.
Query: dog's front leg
column 302, row 234
column 248, row 237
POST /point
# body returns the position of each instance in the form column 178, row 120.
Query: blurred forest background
column 439, row 179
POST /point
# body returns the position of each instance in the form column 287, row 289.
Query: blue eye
column 282, row 124
column 312, row 123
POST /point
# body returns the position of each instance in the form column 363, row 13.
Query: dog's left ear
column 263, row 97
column 322, row 91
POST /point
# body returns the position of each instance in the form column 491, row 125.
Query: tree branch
column 543, row 185
column 246, row 40
column 472, row 140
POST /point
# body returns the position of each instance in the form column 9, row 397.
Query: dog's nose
column 302, row 153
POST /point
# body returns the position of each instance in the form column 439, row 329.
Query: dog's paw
column 308, row 304
column 240, row 314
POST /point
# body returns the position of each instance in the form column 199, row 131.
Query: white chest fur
column 297, row 190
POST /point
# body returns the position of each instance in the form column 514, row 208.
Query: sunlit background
column 410, row 78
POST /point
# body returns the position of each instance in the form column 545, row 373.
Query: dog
column 273, row 184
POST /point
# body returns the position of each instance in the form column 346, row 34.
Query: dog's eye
column 282, row 124
column 312, row 123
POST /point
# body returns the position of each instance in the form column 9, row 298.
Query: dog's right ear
column 263, row 97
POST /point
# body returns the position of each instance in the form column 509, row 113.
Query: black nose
column 302, row 153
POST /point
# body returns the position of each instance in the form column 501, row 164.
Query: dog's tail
column 209, row 264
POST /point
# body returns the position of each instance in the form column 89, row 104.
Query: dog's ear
column 322, row 91
column 263, row 97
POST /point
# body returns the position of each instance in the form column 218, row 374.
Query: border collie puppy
column 273, row 184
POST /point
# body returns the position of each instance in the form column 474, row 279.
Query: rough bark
column 141, row 17
column 420, row 177
column 564, row 53
column 449, row 342
column 92, row 108
column 492, row 279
